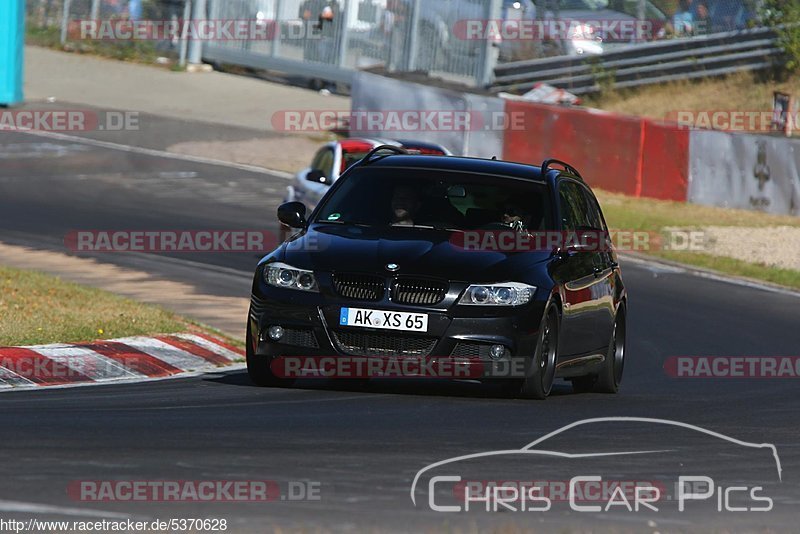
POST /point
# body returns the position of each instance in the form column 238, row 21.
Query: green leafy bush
column 785, row 16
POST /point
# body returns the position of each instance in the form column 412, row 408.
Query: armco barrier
column 651, row 63
column 618, row 153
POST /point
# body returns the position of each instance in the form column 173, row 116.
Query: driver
column 405, row 205
column 514, row 216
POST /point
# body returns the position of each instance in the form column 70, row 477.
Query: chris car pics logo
column 449, row 490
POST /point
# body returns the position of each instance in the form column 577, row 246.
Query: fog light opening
column 497, row 351
column 275, row 332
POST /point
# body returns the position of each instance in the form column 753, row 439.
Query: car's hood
column 416, row 251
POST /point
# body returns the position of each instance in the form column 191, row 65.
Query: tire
column 258, row 367
column 541, row 369
column 610, row 376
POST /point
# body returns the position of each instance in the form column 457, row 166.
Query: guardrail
column 647, row 63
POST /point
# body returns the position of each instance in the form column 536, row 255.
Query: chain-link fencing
column 458, row 40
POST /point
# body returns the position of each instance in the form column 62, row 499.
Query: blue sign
column 12, row 50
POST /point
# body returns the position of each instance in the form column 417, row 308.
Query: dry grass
column 632, row 213
column 642, row 214
column 37, row 309
column 744, row 92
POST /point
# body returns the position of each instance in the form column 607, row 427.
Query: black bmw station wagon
column 447, row 258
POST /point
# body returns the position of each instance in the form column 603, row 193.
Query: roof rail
column 567, row 167
column 383, row 148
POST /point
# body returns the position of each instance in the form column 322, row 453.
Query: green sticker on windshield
column 334, row 216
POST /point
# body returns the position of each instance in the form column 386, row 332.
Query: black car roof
column 458, row 163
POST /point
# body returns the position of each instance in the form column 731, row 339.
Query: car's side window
column 574, row 209
column 323, row 161
column 565, row 208
column 595, row 219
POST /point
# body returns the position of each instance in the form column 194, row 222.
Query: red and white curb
column 130, row 359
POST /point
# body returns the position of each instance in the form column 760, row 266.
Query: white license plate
column 414, row 322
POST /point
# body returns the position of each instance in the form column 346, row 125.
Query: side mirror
column 316, row 175
column 293, row 214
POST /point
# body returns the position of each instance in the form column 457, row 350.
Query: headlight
column 505, row 294
column 286, row 276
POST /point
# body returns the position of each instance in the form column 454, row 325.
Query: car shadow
column 434, row 387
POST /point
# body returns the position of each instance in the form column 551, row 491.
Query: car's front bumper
column 312, row 330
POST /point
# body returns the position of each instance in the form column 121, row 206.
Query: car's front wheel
column 259, row 368
column 540, row 371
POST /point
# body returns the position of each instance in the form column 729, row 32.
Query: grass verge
column 633, row 213
column 721, row 264
column 37, row 309
column 134, row 51
column 641, row 214
column 737, row 92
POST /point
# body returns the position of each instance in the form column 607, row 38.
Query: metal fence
column 57, row 13
column 331, row 39
column 64, row 16
column 458, row 40
column 717, row 54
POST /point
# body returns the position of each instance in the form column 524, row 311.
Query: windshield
column 437, row 199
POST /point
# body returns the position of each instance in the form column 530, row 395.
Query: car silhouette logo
column 533, row 449
column 392, row 267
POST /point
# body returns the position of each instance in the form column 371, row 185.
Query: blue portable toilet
column 12, row 49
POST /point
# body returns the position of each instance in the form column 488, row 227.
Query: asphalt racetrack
column 345, row 457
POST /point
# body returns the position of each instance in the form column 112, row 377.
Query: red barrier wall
column 665, row 162
column 616, row 153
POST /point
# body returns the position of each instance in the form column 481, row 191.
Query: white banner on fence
column 755, row 172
